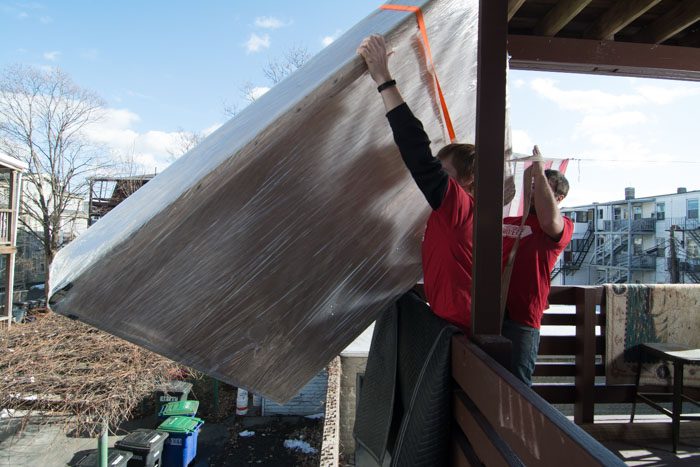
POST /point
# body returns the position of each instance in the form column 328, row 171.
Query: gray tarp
column 261, row 253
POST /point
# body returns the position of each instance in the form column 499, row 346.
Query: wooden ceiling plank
column 670, row 24
column 513, row 7
column 691, row 39
column 603, row 57
column 559, row 16
column 617, row 17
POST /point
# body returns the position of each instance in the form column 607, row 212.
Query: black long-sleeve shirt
column 414, row 146
column 447, row 243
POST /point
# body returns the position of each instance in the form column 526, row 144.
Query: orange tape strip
column 424, row 33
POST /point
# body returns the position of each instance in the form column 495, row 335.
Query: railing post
column 586, row 300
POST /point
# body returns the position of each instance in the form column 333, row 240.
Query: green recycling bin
column 179, row 409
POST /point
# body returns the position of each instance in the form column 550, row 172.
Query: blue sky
column 163, row 66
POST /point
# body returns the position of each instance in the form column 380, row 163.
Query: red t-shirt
column 536, row 256
column 447, row 257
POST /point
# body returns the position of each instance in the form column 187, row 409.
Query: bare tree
column 186, row 140
column 294, row 58
column 250, row 92
column 230, row 110
column 275, row 71
column 43, row 115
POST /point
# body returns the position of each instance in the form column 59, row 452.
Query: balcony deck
column 570, row 375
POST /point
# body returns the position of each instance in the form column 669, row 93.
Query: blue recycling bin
column 181, row 446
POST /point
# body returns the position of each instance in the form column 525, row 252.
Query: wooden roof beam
column 603, row 57
column 617, row 17
column 559, row 16
column 513, row 7
column 670, row 24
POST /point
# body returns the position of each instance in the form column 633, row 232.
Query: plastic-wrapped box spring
column 264, row 251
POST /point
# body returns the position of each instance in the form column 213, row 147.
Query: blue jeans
column 526, row 342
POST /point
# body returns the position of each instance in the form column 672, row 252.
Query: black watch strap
column 386, row 85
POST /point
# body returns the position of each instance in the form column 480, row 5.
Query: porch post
column 490, row 137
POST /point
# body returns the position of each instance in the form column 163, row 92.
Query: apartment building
column 654, row 239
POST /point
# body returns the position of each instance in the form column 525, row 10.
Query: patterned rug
column 639, row 313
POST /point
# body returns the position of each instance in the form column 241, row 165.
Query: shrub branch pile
column 55, row 366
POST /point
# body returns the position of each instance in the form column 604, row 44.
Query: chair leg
column 677, row 402
column 636, row 386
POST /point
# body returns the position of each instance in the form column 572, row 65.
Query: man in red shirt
column 543, row 237
column 446, row 182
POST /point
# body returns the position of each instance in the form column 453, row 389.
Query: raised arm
column 410, row 137
column 546, row 205
column 373, row 50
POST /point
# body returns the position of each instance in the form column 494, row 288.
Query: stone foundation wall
column 350, row 366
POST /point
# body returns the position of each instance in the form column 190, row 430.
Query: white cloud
column 588, row 101
column 22, row 15
column 211, row 129
column 328, row 40
column 522, row 143
column 519, row 83
column 46, row 19
column 591, row 124
column 150, row 149
column 258, row 91
column 269, row 22
column 257, row 43
column 52, row 56
column 666, row 95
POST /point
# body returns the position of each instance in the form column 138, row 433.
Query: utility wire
column 528, row 157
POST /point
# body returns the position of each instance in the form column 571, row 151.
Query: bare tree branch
column 278, row 69
column 186, row 140
column 43, row 115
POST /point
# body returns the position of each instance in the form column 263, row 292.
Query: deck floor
column 647, row 441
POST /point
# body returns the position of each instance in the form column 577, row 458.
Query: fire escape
column 687, row 264
column 574, row 259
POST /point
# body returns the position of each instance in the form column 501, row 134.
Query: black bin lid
column 115, row 457
column 142, row 438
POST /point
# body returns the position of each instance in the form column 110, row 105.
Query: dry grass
column 56, row 366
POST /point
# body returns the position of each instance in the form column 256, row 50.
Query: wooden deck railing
column 500, row 421
column 585, row 350
column 586, row 353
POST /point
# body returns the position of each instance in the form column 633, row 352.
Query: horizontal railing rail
column 500, row 421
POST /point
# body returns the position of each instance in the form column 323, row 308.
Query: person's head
column 559, row 185
column 458, row 161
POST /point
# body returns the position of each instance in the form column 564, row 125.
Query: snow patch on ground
column 299, row 445
column 246, row 434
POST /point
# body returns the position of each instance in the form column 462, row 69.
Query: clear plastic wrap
column 264, row 251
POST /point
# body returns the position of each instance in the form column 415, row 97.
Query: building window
column 660, row 211
column 693, row 208
column 692, row 250
column 617, row 214
column 637, row 250
column 660, row 247
column 636, row 212
column 600, row 213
